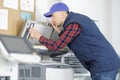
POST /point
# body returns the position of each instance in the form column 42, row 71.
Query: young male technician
column 83, row 37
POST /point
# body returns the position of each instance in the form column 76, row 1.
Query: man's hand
column 34, row 33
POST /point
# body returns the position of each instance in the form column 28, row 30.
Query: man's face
column 56, row 19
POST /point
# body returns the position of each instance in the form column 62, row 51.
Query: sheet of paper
column 27, row 5
column 11, row 4
column 3, row 19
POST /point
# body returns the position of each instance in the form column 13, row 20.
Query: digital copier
column 19, row 61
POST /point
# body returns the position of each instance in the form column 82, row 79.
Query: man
column 83, row 37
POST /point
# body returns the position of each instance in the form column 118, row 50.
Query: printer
column 45, row 30
column 20, row 61
column 45, row 70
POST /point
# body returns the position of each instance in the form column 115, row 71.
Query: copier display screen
column 16, row 44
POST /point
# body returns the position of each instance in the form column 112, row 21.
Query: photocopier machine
column 22, row 59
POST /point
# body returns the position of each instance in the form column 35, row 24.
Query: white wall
column 116, row 24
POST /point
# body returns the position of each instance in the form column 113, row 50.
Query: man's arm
column 71, row 31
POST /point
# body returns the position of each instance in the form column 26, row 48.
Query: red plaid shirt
column 71, row 31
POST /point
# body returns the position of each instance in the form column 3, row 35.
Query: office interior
column 47, row 65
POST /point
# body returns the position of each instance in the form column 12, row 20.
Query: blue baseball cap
column 57, row 7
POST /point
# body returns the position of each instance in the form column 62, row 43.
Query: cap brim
column 49, row 14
